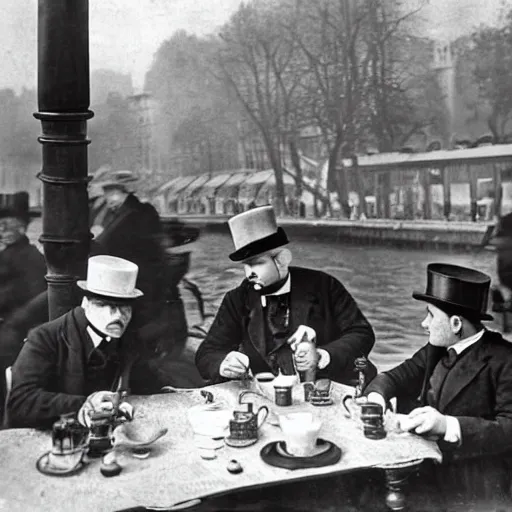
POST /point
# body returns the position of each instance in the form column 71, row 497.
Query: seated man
column 22, row 271
column 75, row 362
column 459, row 386
column 260, row 324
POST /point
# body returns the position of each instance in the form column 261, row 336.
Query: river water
column 381, row 279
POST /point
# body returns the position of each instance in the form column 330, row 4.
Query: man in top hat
column 457, row 388
column 262, row 323
column 22, row 271
column 75, row 362
column 22, row 266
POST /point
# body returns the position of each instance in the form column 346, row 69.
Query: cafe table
column 175, row 474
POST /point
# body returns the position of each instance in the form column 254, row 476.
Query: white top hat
column 255, row 231
column 109, row 276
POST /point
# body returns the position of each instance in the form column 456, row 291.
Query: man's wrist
column 452, row 433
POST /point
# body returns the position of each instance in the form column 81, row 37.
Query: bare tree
column 263, row 69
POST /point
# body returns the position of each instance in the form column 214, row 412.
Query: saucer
column 275, row 454
column 239, row 443
column 44, row 466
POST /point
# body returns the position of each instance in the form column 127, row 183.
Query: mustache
column 120, row 323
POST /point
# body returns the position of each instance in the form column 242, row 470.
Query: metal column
column 63, row 103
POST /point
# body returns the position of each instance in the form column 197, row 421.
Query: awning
column 211, row 186
column 180, row 185
column 250, row 188
column 230, row 189
column 194, row 186
column 267, row 191
column 167, row 185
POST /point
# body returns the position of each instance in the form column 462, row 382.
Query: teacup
column 300, row 431
column 353, row 407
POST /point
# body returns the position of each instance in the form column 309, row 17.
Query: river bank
column 421, row 234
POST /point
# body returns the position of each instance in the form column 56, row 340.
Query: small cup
column 283, row 385
column 300, row 431
column 372, row 417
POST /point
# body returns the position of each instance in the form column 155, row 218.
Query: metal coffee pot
column 244, row 427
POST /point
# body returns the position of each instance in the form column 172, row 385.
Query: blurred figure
column 132, row 230
column 97, row 205
column 22, row 271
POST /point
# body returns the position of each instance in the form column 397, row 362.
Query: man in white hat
column 76, row 362
column 260, row 324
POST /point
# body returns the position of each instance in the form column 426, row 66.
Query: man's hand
column 96, row 230
column 297, row 336
column 425, row 421
column 235, row 364
column 306, row 357
column 126, row 410
column 101, row 401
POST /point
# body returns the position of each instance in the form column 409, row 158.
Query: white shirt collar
column 96, row 338
column 462, row 345
column 284, row 289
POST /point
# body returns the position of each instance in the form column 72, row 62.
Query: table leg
column 396, row 482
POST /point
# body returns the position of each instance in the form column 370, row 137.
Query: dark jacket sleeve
column 30, row 403
column 356, row 334
column 403, row 381
column 489, row 436
column 224, row 336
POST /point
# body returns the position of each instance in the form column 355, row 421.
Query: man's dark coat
column 478, row 392
column 22, row 271
column 317, row 300
column 49, row 376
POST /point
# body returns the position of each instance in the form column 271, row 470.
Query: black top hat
column 16, row 205
column 457, row 290
column 255, row 232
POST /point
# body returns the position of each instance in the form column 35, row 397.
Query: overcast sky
column 124, row 34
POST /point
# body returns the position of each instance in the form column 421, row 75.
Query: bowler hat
column 16, row 205
column 457, row 290
column 254, row 232
column 112, row 277
column 122, row 179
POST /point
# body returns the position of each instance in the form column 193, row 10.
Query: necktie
column 450, row 358
column 439, row 375
column 277, row 313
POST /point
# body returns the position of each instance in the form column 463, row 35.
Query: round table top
column 174, row 472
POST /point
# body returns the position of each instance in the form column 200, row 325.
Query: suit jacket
column 478, row 392
column 48, row 377
column 317, row 300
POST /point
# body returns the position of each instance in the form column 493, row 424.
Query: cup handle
column 345, row 399
column 262, row 415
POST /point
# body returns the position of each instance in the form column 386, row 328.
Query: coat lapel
column 433, row 356
column 462, row 374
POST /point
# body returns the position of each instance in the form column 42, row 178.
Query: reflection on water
column 381, row 279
